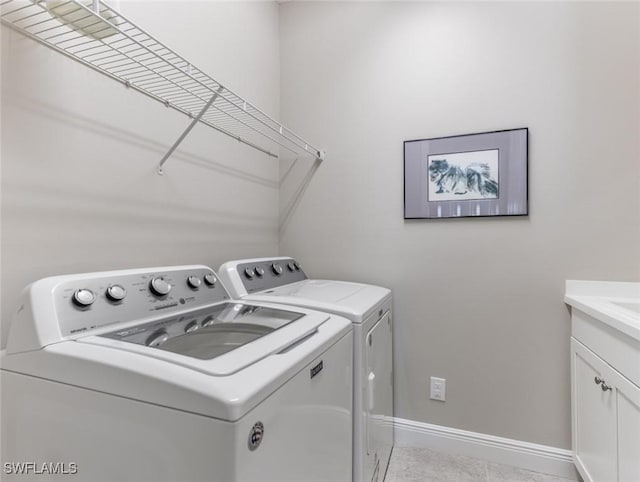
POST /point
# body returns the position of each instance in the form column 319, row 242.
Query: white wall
column 477, row 301
column 79, row 154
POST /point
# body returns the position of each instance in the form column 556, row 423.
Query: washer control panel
column 264, row 275
column 103, row 299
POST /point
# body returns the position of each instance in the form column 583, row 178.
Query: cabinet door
column 594, row 417
column 628, row 409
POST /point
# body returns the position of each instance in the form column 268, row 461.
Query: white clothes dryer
column 157, row 375
column 281, row 280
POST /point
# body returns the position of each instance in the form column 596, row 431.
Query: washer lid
column 218, row 340
column 207, row 333
column 352, row 300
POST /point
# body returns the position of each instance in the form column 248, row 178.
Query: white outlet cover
column 438, row 389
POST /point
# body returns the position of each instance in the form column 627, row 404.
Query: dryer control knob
column 291, row 266
column 159, row 286
column 116, row 293
column 277, row 269
column 84, row 297
column 297, row 265
column 194, row 282
column 259, row 271
column 210, row 279
column 249, row 273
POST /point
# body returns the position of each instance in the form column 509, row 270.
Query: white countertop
column 616, row 304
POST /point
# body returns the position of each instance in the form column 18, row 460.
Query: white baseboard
column 539, row 458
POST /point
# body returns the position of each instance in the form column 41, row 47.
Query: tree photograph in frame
column 471, row 175
column 463, row 176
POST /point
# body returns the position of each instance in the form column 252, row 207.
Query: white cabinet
column 606, row 420
column 605, row 389
column 628, row 406
column 594, row 416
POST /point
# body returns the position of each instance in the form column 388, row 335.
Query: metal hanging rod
column 99, row 37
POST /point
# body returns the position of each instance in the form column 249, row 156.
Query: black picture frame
column 469, row 175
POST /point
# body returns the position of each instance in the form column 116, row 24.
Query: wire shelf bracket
column 187, row 130
column 99, row 37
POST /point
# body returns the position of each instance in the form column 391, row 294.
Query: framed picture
column 471, row 175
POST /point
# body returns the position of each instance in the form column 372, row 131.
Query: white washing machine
column 157, row 375
column 282, row 280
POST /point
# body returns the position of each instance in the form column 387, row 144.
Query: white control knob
column 277, row 269
column 116, row 293
column 84, row 297
column 210, row 279
column 291, row 266
column 297, row 265
column 194, row 282
column 159, row 286
column 259, row 271
column 249, row 273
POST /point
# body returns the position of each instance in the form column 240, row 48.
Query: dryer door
column 379, row 398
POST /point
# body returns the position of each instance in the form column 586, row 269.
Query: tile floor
column 423, row 465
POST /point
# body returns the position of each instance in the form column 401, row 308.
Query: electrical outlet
column 438, row 388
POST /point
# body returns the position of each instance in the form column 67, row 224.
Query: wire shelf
column 96, row 35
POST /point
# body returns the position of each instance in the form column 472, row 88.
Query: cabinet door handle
column 603, row 385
